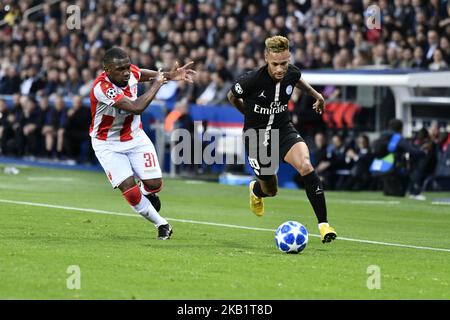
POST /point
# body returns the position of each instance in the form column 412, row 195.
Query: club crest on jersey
column 238, row 88
column 289, row 89
column 111, row 93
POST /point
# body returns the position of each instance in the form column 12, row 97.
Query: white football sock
column 323, row 223
column 145, row 208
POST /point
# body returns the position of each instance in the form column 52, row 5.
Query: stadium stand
column 42, row 58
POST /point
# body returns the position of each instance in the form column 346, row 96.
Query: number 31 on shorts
column 149, row 160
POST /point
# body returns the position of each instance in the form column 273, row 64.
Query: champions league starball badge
column 111, row 93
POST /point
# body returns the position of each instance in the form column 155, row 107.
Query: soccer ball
column 291, row 237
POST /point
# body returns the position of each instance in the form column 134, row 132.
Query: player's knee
column 153, row 185
column 306, row 167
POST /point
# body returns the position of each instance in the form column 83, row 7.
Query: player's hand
column 319, row 105
column 183, row 73
column 160, row 77
column 351, row 154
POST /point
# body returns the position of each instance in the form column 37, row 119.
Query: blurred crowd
column 46, row 56
column 346, row 163
column 41, row 55
column 33, row 128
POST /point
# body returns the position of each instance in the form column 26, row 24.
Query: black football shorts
column 265, row 149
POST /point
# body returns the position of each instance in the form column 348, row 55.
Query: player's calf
column 154, row 200
column 144, row 207
column 315, row 193
column 134, row 197
column 151, row 194
column 266, row 186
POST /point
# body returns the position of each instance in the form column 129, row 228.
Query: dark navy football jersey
column 266, row 101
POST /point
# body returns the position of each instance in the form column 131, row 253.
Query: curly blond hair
column 277, row 44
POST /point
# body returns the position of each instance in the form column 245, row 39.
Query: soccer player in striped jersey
column 262, row 96
column 121, row 146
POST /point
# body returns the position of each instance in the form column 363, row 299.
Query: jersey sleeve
column 242, row 87
column 297, row 73
column 136, row 71
column 106, row 93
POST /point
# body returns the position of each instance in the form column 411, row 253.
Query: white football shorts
column 121, row 160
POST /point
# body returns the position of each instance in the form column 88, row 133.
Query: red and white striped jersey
column 110, row 123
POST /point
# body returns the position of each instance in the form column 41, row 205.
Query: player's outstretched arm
column 140, row 104
column 319, row 105
column 236, row 102
column 177, row 73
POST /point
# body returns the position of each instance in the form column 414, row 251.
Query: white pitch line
column 441, row 203
column 50, row 179
column 194, row 182
column 368, row 202
column 340, row 201
column 45, row 205
column 394, row 244
column 212, row 224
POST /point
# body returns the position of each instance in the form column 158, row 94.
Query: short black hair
column 365, row 138
column 114, row 53
column 396, row 125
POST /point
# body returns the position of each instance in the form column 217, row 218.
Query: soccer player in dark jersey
column 262, row 96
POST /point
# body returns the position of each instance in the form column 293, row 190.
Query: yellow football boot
column 256, row 204
column 327, row 233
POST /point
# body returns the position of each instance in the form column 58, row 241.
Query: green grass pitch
column 52, row 219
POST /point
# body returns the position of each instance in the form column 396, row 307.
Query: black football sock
column 257, row 190
column 314, row 191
